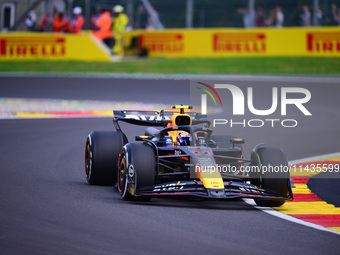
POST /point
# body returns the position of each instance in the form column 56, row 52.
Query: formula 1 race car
column 184, row 158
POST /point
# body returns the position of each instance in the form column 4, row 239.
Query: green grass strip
column 242, row 65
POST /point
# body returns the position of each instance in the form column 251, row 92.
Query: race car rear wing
column 154, row 118
column 142, row 118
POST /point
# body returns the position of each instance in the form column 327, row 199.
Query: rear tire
column 101, row 156
column 142, row 162
column 278, row 181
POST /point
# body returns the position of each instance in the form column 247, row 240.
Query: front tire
column 101, row 156
column 136, row 168
column 278, row 181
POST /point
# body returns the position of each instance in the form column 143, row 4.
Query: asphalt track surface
column 47, row 207
column 327, row 188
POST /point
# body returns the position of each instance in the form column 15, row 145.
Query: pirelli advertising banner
column 32, row 46
column 239, row 42
column 323, row 42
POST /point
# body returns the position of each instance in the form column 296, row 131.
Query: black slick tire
column 274, row 180
column 101, row 156
column 142, row 162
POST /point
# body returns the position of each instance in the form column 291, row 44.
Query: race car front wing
column 232, row 189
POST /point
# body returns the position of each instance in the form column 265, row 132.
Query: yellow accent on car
column 181, row 107
column 181, row 120
column 212, row 180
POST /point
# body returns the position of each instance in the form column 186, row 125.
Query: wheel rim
column 88, row 160
column 121, row 178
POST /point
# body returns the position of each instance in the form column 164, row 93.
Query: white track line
column 284, row 216
column 278, row 214
column 309, row 159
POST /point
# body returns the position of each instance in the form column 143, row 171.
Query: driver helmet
column 183, row 139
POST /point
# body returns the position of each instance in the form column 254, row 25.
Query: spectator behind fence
column 245, row 16
column 119, row 23
column 319, row 17
column 77, row 21
column 279, row 17
column 305, row 16
column 335, row 17
column 276, row 17
column 271, row 18
column 46, row 23
column 260, row 17
column 94, row 18
column 142, row 18
column 102, row 28
column 60, row 23
column 31, row 20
